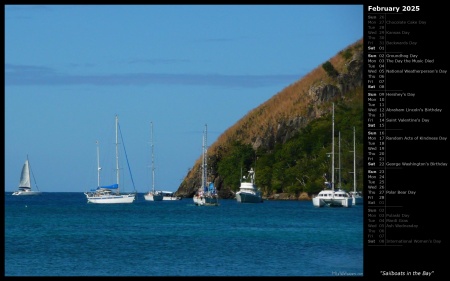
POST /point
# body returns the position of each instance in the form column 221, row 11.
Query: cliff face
column 284, row 115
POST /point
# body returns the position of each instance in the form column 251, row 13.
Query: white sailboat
column 153, row 195
column 109, row 194
column 206, row 194
column 331, row 196
column 357, row 198
column 25, row 183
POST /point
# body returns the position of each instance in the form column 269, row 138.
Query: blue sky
column 69, row 69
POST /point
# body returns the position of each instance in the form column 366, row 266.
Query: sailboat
column 25, row 183
column 206, row 194
column 331, row 196
column 153, row 195
column 109, row 194
column 357, row 198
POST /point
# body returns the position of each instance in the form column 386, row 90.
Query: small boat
column 357, row 198
column 169, row 195
column 206, row 194
column 248, row 191
column 153, row 195
column 331, row 196
column 25, row 183
column 109, row 194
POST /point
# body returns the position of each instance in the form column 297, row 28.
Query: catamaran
column 25, row 183
column 331, row 196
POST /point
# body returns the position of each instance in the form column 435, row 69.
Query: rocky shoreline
column 287, row 196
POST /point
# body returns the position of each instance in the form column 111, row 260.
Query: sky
column 70, row 69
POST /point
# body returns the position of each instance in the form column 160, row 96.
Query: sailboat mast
column 332, row 153
column 153, row 167
column 240, row 180
column 354, row 161
column 204, row 163
column 206, row 154
column 30, row 171
column 117, row 151
column 339, row 185
column 98, row 165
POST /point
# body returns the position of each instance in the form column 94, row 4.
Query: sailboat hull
column 27, row 192
column 331, row 198
column 153, row 197
column 317, row 202
column 345, row 202
column 206, row 200
column 111, row 199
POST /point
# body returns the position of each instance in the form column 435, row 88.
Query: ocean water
column 60, row 234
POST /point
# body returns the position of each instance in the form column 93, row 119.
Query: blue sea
column 60, row 234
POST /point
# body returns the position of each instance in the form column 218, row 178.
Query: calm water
column 59, row 234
